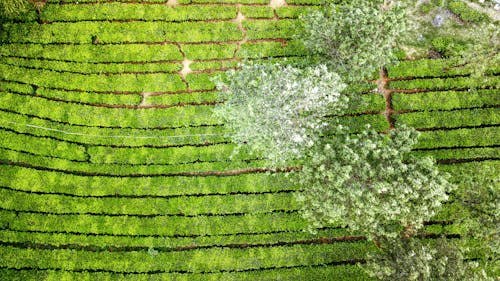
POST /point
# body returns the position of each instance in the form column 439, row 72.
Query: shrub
column 356, row 37
column 412, row 259
column 371, row 183
column 279, row 110
column 10, row 8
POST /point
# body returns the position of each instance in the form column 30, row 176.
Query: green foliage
column 127, row 82
column 42, row 146
column 292, row 11
column 482, row 48
column 173, row 155
column 271, row 49
column 466, row 13
column 450, row 119
column 255, row 12
column 10, row 8
column 266, row 29
column 448, row 83
column 92, row 68
column 355, row 37
column 90, row 98
column 446, row 100
column 93, row 134
column 134, row 11
column 369, row 182
column 474, row 44
column 202, row 81
column 412, row 259
column 176, row 99
column 279, row 110
column 434, row 68
column 221, row 258
column 463, row 153
column 209, row 51
column 116, row 170
column 87, row 32
column 223, row 204
column 28, row 180
column 478, row 198
column 94, row 53
column 486, row 136
column 340, row 273
column 79, row 114
column 161, row 225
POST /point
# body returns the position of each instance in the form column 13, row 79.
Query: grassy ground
column 112, row 167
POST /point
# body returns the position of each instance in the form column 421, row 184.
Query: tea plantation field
column 112, row 166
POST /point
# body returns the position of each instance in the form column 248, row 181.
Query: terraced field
column 113, row 168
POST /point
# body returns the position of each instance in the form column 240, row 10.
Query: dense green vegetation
column 112, row 166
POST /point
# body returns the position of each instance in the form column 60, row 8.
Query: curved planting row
column 112, row 166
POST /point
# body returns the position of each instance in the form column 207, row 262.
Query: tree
column 10, row 8
column 417, row 260
column 477, row 201
column 279, row 110
column 371, row 183
column 356, row 37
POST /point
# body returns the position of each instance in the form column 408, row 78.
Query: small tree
column 413, row 260
column 10, row 8
column 478, row 212
column 371, row 183
column 356, row 37
column 279, row 110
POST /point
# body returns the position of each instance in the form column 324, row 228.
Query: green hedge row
column 463, row 172
column 223, row 1
column 113, row 170
column 90, row 54
column 104, row 241
column 293, row 12
column 172, row 155
column 254, row 12
column 202, row 81
column 27, row 179
column 92, row 68
column 16, row 87
column 271, row 49
column 447, row 83
column 377, row 121
column 123, row 32
column 156, row 82
column 79, row 114
column 269, row 29
column 97, row 2
column 446, row 100
column 465, row 153
column 305, row 2
column 90, row 98
column 157, row 225
column 109, row 136
column 459, row 137
column 186, row 205
column 212, row 65
column 42, row 146
column 340, row 273
column 172, row 99
column 209, row 51
column 127, row 11
column 195, row 261
column 431, row 68
column 369, row 102
column 466, row 13
column 450, row 119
